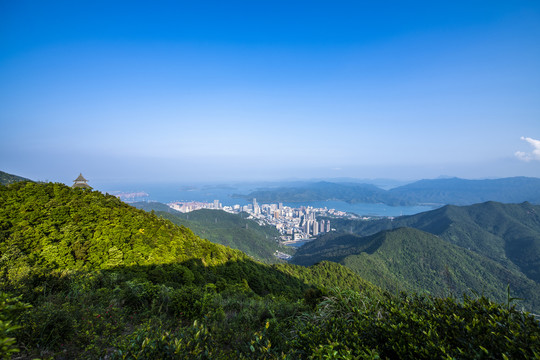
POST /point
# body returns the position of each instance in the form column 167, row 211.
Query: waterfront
column 363, row 209
column 168, row 193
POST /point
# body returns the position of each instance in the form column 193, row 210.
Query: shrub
column 10, row 308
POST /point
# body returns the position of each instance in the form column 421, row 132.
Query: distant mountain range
column 323, row 190
column 437, row 191
column 482, row 247
column 466, row 192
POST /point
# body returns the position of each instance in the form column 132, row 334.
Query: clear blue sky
column 262, row 90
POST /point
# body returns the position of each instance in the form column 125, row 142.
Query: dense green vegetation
column 83, row 275
column 51, row 226
column 75, row 254
column 482, row 248
column 438, row 191
column 233, row 230
column 506, row 233
column 408, row 259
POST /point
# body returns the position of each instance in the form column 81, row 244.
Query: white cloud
column 534, row 155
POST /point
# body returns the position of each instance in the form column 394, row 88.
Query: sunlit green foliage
column 51, row 226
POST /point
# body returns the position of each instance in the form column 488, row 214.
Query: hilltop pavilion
column 80, row 182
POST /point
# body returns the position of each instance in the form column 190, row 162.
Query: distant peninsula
column 453, row 191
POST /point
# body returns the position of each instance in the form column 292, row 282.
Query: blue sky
column 252, row 90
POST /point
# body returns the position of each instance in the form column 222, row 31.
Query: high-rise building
column 307, row 226
column 216, row 204
column 321, row 226
column 256, row 209
column 328, row 226
column 315, row 228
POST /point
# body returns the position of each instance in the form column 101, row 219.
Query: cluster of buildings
column 294, row 224
column 186, row 207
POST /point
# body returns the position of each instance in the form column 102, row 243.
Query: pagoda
column 80, row 182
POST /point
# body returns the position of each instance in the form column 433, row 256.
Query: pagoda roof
column 80, row 178
column 81, row 185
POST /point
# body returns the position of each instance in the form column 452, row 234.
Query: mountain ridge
column 506, row 233
column 6, row 178
column 454, row 191
column 407, row 259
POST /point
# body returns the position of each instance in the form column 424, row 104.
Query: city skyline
column 294, row 224
column 212, row 91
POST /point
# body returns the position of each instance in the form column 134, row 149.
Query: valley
column 85, row 275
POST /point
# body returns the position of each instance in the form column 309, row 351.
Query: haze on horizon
column 243, row 90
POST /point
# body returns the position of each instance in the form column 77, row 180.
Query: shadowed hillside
column 506, row 233
column 408, row 259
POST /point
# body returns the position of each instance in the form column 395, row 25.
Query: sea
column 227, row 194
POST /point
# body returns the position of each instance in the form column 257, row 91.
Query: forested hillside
column 83, row 275
column 233, row 230
column 51, row 226
column 506, row 233
column 6, row 178
column 408, row 259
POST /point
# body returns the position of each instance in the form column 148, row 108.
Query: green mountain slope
column 91, row 277
column 506, row 233
column 6, row 178
column 413, row 260
column 50, row 227
column 233, row 230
